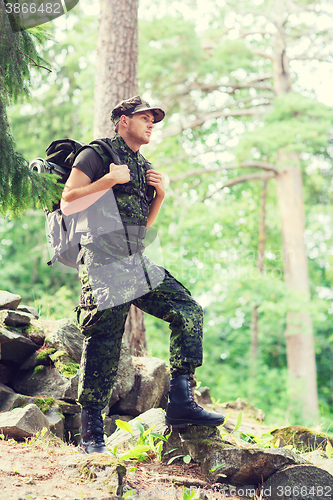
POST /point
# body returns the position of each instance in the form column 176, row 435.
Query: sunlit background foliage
column 210, row 245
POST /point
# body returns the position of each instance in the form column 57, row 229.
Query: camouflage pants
column 103, row 330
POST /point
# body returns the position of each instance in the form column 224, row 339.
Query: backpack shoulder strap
column 106, row 151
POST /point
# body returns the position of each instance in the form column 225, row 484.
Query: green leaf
column 170, row 451
column 124, row 426
column 329, row 450
column 138, row 425
column 226, row 419
column 136, row 452
column 148, row 431
column 188, row 494
column 174, row 458
column 157, row 435
column 217, row 467
column 238, row 422
column 187, row 459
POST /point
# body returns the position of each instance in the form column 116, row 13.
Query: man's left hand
column 154, row 178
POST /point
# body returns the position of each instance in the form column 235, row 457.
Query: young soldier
column 115, row 273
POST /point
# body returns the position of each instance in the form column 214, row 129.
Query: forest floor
column 40, row 470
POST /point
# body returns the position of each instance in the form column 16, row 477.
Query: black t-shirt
column 90, row 163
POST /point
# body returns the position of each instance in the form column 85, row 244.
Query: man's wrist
column 160, row 196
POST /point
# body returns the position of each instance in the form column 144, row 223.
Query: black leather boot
column 92, row 431
column 183, row 410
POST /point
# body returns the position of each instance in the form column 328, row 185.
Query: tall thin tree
column 116, row 79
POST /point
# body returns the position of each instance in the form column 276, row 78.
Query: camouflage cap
column 135, row 105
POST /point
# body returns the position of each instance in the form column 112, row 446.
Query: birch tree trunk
column 115, row 80
column 299, row 331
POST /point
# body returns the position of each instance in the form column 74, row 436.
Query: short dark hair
column 117, row 126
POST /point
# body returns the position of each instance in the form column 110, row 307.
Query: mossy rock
column 301, row 438
column 44, row 354
column 44, row 404
column 65, row 364
column 195, row 441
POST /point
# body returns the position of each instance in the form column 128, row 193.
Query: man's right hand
column 120, row 174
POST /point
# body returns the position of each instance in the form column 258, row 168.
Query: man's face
column 140, row 126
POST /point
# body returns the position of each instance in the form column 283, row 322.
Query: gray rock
column 56, row 421
column 202, row 396
column 305, row 482
column 36, row 359
column 319, row 459
column 110, row 425
column 125, row 378
column 300, row 437
column 152, row 372
column 10, row 399
column 146, row 391
column 154, row 416
column 29, row 309
column 22, row 422
column 241, row 466
column 16, row 318
column 248, row 466
column 70, row 391
column 9, row 300
column 15, row 347
column 69, row 338
column 35, row 332
column 69, row 408
column 46, row 382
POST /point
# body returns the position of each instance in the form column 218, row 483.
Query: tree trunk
column 299, row 332
column 115, row 80
column 135, row 335
column 260, row 267
column 117, row 59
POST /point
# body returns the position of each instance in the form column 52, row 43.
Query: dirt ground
column 44, row 471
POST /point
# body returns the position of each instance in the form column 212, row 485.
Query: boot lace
column 96, row 426
column 193, row 403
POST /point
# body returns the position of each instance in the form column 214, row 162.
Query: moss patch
column 68, row 369
column 44, row 404
column 65, row 364
column 301, row 438
column 38, row 369
column 45, row 353
column 32, row 329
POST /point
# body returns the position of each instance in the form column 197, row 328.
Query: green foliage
column 45, row 353
column 63, row 106
column 295, row 124
column 148, row 445
column 44, row 404
column 18, row 53
column 211, row 247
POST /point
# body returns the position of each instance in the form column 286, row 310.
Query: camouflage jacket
column 124, row 203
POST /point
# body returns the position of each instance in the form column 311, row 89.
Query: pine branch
column 31, row 59
column 242, row 178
